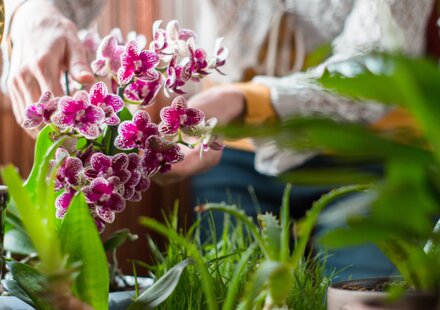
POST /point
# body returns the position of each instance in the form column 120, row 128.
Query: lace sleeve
column 81, row 12
column 382, row 25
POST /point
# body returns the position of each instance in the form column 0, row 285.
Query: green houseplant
column 403, row 204
column 250, row 266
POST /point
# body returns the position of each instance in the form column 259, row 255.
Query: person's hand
column 227, row 104
column 45, row 44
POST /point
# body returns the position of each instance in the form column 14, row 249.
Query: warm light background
column 17, row 148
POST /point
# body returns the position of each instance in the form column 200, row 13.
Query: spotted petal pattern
column 103, row 194
column 104, row 166
column 63, row 201
column 77, row 112
column 69, row 170
column 40, row 112
column 137, row 64
column 134, row 134
column 108, row 56
column 143, row 92
column 159, row 156
column 109, row 103
column 179, row 116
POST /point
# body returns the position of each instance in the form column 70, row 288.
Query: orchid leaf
column 285, row 224
column 81, row 242
column 16, row 241
column 42, row 145
column 32, row 282
column 162, row 289
column 32, row 220
column 15, row 289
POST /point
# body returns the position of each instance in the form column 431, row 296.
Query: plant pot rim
column 368, row 282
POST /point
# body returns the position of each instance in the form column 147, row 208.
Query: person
column 268, row 40
column 271, row 40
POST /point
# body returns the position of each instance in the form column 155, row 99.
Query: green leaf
column 271, row 233
column 285, row 224
column 43, row 237
column 269, row 272
column 125, row 115
column 246, row 220
column 15, row 289
column 18, row 242
column 233, row 290
column 162, row 288
column 42, row 145
column 33, row 283
column 192, row 251
column 81, row 242
column 118, row 238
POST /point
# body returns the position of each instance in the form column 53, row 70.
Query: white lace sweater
column 352, row 26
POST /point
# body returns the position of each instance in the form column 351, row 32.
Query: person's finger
column 48, row 77
column 77, row 62
column 27, row 85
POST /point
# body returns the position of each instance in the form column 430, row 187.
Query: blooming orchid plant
column 108, row 154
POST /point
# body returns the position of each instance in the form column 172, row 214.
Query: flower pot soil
column 369, row 294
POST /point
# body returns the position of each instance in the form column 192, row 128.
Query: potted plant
column 93, row 155
column 399, row 209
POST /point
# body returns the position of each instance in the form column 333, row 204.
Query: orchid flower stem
column 66, row 81
column 183, row 142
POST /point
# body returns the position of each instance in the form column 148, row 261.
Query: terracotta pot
column 339, row 298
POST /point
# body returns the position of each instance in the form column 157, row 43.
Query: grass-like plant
column 250, row 266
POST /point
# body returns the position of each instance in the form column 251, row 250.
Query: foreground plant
column 403, row 205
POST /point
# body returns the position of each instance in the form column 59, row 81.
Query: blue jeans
column 230, row 182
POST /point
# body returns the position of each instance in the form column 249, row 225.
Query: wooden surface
column 17, row 148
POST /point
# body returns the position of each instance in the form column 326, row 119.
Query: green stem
column 66, row 80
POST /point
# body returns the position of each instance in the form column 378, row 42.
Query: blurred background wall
column 17, row 148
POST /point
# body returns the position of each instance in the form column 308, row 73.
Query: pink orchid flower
column 177, row 76
column 137, row 64
column 104, row 195
column 108, row 60
column 109, row 103
column 143, row 92
column 105, row 166
column 77, row 112
column 69, row 171
column 40, row 112
column 159, row 155
column 63, row 201
column 178, row 115
column 134, row 134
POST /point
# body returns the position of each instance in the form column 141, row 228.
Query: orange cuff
column 258, row 104
column 397, row 118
